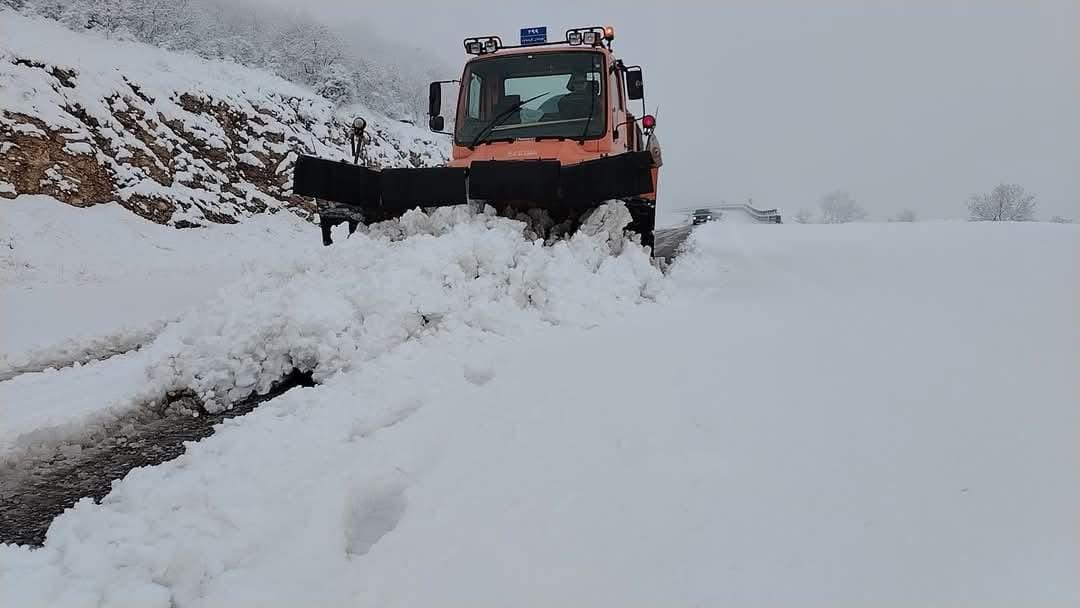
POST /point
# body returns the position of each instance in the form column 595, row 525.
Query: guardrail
column 764, row 216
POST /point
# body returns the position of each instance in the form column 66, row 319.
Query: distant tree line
column 837, row 207
column 1005, row 203
column 342, row 66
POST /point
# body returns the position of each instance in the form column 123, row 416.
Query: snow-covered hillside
column 174, row 138
column 817, row 415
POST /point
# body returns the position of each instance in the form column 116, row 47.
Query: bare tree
column 1058, row 219
column 804, row 216
column 906, row 215
column 1007, row 203
column 839, row 208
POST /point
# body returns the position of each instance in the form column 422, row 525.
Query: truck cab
column 566, row 101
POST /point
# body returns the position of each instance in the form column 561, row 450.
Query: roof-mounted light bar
column 482, row 45
column 590, row 36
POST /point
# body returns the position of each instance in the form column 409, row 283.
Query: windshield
column 532, row 95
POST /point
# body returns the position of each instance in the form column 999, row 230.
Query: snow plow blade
column 359, row 194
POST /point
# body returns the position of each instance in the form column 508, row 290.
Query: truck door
column 620, row 134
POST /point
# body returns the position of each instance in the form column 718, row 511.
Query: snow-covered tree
column 305, row 50
column 804, row 216
column 1058, row 219
column 347, row 62
column 164, row 23
column 1007, row 203
column 335, row 83
column 906, row 215
column 839, row 208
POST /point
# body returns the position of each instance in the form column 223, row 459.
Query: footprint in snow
column 367, row 427
column 479, row 373
column 371, row 512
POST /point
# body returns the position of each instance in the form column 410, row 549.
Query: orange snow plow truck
column 541, row 125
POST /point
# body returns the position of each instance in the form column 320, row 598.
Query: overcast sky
column 916, row 103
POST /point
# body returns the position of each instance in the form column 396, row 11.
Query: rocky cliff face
column 173, row 138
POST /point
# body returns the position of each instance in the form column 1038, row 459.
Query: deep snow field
column 864, row 414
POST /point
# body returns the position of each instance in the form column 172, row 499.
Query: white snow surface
column 865, row 414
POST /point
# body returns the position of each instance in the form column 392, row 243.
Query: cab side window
column 614, row 86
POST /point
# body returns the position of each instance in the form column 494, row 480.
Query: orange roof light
column 609, row 33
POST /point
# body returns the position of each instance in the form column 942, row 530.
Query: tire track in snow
column 35, row 489
column 79, row 351
column 668, row 240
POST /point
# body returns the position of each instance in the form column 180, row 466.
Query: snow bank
column 329, row 310
column 871, row 414
column 82, row 284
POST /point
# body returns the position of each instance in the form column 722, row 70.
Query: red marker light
column 648, row 121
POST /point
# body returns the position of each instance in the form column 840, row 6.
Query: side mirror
column 436, row 123
column 435, row 99
column 635, row 84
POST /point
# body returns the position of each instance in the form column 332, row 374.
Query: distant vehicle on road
column 700, row 216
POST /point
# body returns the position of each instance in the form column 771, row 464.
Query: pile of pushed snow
column 328, row 310
column 174, row 138
column 342, row 306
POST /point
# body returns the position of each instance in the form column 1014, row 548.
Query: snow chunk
column 25, row 128
column 248, row 158
column 78, row 147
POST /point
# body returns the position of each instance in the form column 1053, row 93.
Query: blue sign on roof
column 533, row 35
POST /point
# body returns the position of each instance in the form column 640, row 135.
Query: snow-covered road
column 822, row 415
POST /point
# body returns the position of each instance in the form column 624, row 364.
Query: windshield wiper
column 588, row 123
column 501, row 117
